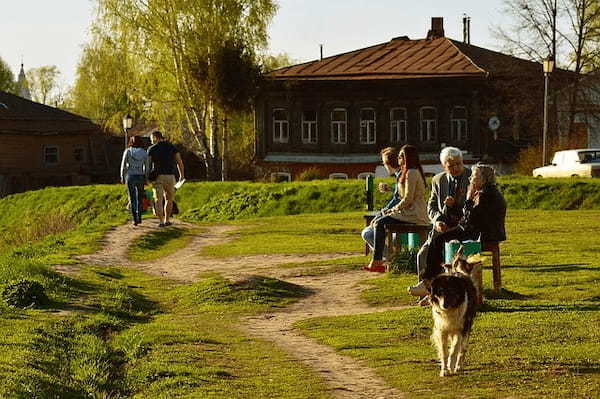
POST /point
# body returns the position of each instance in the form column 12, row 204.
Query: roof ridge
column 451, row 41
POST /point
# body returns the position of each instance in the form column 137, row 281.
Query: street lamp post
column 127, row 123
column 548, row 68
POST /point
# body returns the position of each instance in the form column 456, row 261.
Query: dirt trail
column 334, row 294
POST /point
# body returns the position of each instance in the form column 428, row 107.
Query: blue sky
column 52, row 32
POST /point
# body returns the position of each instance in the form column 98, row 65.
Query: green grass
column 160, row 243
column 537, row 339
column 299, row 234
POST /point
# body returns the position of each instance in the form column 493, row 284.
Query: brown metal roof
column 396, row 59
column 21, row 116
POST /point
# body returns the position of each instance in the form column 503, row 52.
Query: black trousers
column 435, row 255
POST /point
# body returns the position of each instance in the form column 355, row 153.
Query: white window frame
column 368, row 127
column 311, row 129
column 339, row 128
column 364, row 175
column 339, row 176
column 275, row 175
column 398, row 127
column 281, row 127
column 83, row 152
column 458, row 126
column 45, row 154
column 428, row 127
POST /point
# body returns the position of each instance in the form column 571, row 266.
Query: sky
column 53, row 32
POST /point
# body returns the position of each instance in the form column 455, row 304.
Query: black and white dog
column 453, row 305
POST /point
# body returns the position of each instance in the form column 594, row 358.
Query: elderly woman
column 483, row 218
column 411, row 208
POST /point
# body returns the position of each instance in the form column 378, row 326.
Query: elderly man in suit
column 448, row 193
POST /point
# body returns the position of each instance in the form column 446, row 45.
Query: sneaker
column 419, row 289
column 168, row 223
column 161, row 225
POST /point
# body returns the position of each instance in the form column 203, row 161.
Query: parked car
column 582, row 162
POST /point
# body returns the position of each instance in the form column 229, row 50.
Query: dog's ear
column 457, row 257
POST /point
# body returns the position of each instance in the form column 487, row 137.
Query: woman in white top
column 412, row 208
column 134, row 172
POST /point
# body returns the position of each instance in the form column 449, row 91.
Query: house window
column 339, row 126
column 367, row 126
column 364, row 175
column 280, row 125
column 398, row 125
column 280, row 177
column 428, row 123
column 80, row 154
column 309, row 127
column 338, row 176
column 51, row 155
column 458, row 121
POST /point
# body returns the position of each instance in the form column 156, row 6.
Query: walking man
column 164, row 158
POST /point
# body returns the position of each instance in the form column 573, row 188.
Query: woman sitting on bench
column 412, row 208
column 483, row 218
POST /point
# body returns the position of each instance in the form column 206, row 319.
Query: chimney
column 466, row 29
column 437, row 28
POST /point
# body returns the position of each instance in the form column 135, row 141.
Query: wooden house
column 335, row 114
column 45, row 146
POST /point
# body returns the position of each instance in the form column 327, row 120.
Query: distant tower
column 22, row 85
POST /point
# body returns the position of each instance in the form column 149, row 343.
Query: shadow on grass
column 572, row 307
column 505, row 294
column 566, row 267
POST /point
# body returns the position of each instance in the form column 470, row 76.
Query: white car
column 582, row 162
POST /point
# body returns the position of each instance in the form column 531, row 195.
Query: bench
column 493, row 248
column 394, row 246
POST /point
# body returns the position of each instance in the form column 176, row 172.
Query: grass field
column 116, row 333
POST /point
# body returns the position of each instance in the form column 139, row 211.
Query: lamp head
column 127, row 122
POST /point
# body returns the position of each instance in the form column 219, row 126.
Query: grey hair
column 450, row 152
column 488, row 174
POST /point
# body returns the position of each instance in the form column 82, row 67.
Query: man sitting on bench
column 483, row 217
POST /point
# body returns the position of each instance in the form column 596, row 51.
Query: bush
column 405, row 261
column 24, row 293
column 311, row 173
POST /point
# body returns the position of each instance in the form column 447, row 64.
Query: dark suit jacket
column 436, row 209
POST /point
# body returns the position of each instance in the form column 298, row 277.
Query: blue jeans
column 380, row 235
column 135, row 186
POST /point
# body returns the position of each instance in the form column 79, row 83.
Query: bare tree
column 567, row 31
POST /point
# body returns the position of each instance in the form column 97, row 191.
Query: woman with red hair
column 412, row 208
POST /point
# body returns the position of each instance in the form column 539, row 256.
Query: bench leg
column 389, row 238
column 478, row 280
column 496, row 269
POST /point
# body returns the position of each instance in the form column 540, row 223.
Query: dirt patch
column 334, row 294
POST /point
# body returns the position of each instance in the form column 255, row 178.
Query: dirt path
column 334, row 294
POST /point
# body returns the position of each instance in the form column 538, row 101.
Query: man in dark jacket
column 164, row 158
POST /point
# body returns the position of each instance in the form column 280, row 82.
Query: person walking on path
column 134, row 172
column 411, row 208
column 164, row 158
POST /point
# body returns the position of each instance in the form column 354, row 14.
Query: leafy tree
column 174, row 48
column 43, row 83
column 7, row 78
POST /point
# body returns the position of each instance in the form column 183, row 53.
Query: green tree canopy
column 7, row 78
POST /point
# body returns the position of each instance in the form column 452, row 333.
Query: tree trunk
column 224, row 163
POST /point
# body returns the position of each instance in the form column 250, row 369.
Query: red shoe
column 367, row 268
column 377, row 269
